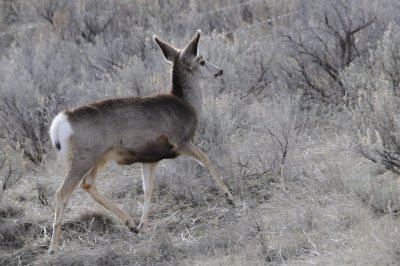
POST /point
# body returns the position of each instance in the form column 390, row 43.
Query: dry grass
column 313, row 219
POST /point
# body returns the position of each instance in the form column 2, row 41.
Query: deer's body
column 131, row 130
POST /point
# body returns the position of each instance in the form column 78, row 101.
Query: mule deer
column 133, row 129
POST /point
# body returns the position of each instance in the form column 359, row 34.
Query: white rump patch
column 60, row 131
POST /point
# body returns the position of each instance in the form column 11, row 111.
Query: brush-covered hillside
column 303, row 126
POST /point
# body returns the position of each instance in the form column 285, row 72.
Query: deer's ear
column 191, row 47
column 168, row 50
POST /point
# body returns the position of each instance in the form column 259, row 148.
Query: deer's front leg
column 148, row 174
column 192, row 151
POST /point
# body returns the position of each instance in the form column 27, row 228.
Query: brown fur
column 163, row 101
column 153, row 151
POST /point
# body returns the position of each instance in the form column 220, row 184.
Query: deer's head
column 187, row 59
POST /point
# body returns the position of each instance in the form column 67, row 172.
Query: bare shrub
column 11, row 169
column 377, row 109
column 48, row 9
column 375, row 121
column 35, row 86
column 43, row 193
column 322, row 50
column 275, row 127
column 24, row 124
column 96, row 18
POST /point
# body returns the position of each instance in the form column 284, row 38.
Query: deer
column 130, row 130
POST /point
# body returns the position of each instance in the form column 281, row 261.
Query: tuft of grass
column 10, row 211
column 14, row 236
column 95, row 222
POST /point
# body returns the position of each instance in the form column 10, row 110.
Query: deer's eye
column 202, row 62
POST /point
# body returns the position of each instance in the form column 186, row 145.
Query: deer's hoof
column 134, row 230
column 230, row 202
column 229, row 199
column 131, row 227
column 52, row 251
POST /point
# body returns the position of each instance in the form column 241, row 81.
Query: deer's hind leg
column 77, row 169
column 89, row 184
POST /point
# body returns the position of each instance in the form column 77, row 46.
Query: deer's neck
column 188, row 89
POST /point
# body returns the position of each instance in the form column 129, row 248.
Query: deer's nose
column 220, row 73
